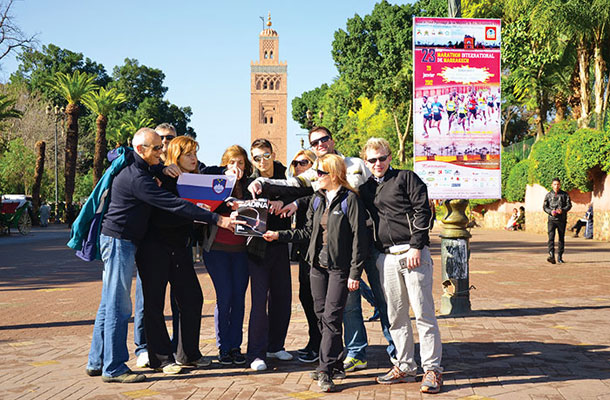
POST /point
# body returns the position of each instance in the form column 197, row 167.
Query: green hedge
column 517, row 181
column 548, row 161
column 509, row 160
column 585, row 150
column 567, row 127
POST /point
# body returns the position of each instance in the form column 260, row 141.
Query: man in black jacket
column 557, row 204
column 398, row 203
column 133, row 194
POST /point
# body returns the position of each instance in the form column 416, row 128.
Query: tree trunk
column 583, row 74
column 40, row 155
column 72, row 111
column 598, row 89
column 574, row 99
column 561, row 108
column 101, row 148
column 402, row 136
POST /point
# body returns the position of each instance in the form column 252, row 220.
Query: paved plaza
column 537, row 331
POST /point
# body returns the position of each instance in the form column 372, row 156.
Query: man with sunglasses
column 355, row 336
column 167, row 133
column 133, row 195
column 397, row 201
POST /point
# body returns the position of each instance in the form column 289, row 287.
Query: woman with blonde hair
column 226, row 260
column 335, row 223
column 165, row 256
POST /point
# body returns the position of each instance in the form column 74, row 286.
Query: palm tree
column 102, row 103
column 7, row 108
column 73, row 88
column 131, row 123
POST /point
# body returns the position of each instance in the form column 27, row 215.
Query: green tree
column 17, row 165
column 73, row 88
column 7, row 108
column 129, row 124
column 308, row 101
column 102, row 103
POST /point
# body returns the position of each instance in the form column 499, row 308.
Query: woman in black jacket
column 335, row 223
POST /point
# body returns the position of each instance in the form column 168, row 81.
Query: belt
column 396, row 253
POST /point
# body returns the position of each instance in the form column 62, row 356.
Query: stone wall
column 497, row 214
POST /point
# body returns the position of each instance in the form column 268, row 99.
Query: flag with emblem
column 211, row 190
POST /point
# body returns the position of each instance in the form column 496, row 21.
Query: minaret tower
column 268, row 100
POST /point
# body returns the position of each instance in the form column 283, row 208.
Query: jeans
column 139, row 335
column 229, row 273
column 403, row 288
column 353, row 323
column 109, row 343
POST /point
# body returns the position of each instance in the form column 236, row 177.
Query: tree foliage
column 586, row 150
column 517, row 181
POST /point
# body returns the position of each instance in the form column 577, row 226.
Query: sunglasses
column 265, row 156
column 316, row 142
column 374, row 160
column 167, row 137
column 155, row 148
column 321, row 173
column 302, row 163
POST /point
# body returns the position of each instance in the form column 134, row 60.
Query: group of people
column 517, row 220
column 344, row 216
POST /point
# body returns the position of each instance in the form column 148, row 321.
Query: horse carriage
column 15, row 212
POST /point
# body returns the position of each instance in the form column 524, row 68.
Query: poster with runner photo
column 457, row 115
column 254, row 212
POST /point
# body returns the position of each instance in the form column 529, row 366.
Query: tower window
column 266, row 55
column 271, row 85
column 271, row 54
column 265, row 120
column 265, row 85
column 270, row 120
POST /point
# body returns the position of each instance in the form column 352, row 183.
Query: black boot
column 551, row 258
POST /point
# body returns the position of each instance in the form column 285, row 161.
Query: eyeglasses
column 259, row 157
column 316, row 142
column 302, row 163
column 167, row 137
column 155, row 148
column 380, row 159
column 321, row 173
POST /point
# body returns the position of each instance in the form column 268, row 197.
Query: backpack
column 316, row 203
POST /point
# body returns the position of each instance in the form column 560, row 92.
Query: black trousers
column 329, row 290
column 306, row 299
column 560, row 227
column 158, row 265
column 271, row 295
column 578, row 226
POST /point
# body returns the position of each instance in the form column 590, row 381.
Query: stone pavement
column 537, row 331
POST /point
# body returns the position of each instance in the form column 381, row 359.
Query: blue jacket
column 85, row 236
column 133, row 195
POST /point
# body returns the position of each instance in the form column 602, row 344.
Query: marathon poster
column 254, row 212
column 456, row 107
column 210, row 190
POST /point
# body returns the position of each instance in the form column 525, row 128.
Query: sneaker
column 560, row 260
column 142, row 360
column 225, row 358
column 395, row 375
column 309, row 357
column 351, row 364
column 325, row 382
column 280, row 355
column 170, row 368
column 258, row 365
column 127, row 377
column 93, row 372
column 200, row 363
column 237, row 357
column 432, row 382
column 375, row 315
column 337, row 374
column 551, row 259
column 303, row 351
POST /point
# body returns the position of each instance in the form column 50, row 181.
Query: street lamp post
column 58, row 114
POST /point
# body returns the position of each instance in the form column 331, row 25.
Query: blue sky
column 203, row 47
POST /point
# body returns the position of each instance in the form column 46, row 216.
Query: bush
column 567, row 127
column 517, row 181
column 585, row 150
column 548, row 158
column 509, row 160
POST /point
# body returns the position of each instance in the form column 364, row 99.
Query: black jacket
column 345, row 232
column 555, row 201
column 399, row 209
column 133, row 194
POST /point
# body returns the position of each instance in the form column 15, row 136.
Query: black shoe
column 309, row 357
column 225, row 358
column 237, row 357
column 325, row 382
column 337, row 374
column 551, row 259
column 93, row 372
column 303, row 351
column 560, row 261
column 375, row 315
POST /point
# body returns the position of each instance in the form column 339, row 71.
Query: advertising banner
column 456, row 106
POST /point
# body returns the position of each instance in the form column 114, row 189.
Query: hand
column 255, row 188
column 172, row 170
column 289, row 209
column 226, row 223
column 204, row 206
column 275, row 206
column 270, row 236
column 413, row 258
column 235, row 171
column 352, row 284
column 233, row 205
column 558, row 211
